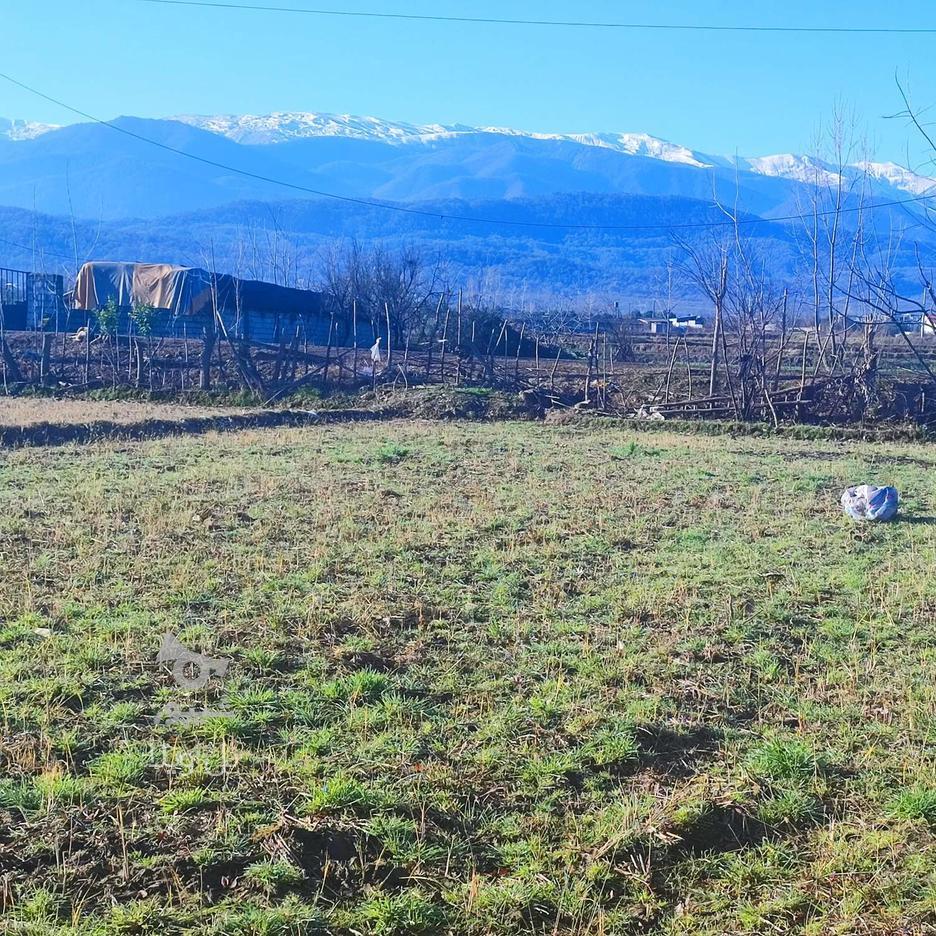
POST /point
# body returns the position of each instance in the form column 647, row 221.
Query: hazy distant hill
column 551, row 259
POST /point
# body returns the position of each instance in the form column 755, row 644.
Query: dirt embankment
column 50, row 421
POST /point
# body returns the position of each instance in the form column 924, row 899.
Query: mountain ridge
column 289, row 126
column 281, row 127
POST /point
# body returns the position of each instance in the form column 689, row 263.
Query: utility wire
column 442, row 216
column 499, row 21
column 35, row 250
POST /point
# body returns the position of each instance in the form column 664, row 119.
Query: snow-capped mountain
column 287, row 127
column 812, row 171
column 297, row 126
column 368, row 157
column 790, row 166
column 23, row 129
column 631, row 144
column 290, row 127
column 899, row 177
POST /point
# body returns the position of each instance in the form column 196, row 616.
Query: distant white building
column 674, row 323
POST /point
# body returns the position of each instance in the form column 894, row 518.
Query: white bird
column 375, row 353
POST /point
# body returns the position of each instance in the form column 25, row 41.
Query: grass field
column 484, row 678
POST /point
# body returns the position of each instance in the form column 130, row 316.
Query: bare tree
column 707, row 265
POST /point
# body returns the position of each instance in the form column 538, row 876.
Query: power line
column 441, row 216
column 499, row 21
column 34, row 250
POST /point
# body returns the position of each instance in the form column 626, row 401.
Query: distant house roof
column 675, row 321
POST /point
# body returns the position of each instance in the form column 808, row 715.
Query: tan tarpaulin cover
column 182, row 290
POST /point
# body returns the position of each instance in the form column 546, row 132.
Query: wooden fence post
column 208, row 342
column 389, row 337
column 448, row 313
column 354, row 331
column 331, row 328
column 406, row 360
column 592, row 361
column 519, row 346
column 552, row 374
column 458, row 342
column 688, row 368
column 46, row 353
column 492, row 365
column 87, row 349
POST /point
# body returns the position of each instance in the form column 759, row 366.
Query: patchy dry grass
column 27, row 411
column 484, row 679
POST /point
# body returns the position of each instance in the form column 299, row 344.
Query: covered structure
column 189, row 301
column 178, row 290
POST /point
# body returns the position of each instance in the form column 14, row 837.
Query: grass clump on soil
column 482, row 678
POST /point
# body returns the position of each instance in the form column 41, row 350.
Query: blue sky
column 721, row 93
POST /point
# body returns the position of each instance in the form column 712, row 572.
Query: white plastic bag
column 869, row 502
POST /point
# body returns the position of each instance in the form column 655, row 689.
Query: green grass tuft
column 915, row 803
